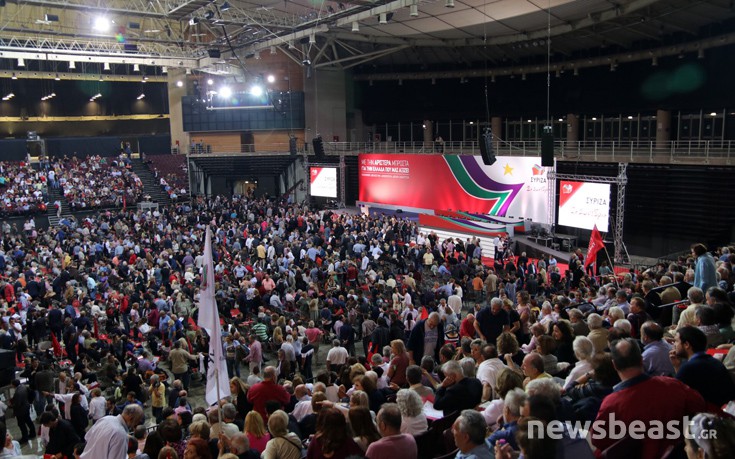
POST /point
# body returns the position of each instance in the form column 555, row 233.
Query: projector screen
column 584, row 205
column 323, row 182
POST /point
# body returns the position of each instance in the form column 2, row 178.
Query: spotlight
column 225, row 6
column 57, row 78
column 225, row 92
column 210, row 82
column 193, row 21
column 355, row 26
column 72, row 65
column 101, row 24
column 179, row 84
column 256, row 90
column 141, row 96
column 209, row 15
column 106, row 66
column 271, row 79
column 136, row 68
column 21, row 62
column 449, row 4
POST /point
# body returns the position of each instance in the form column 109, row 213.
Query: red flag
column 596, row 244
column 96, row 329
column 56, row 345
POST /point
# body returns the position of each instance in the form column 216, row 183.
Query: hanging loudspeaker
column 486, row 148
column 547, row 150
column 318, row 146
column 292, row 146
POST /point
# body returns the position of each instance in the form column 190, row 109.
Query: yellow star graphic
column 507, row 170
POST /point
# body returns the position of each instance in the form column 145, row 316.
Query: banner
column 512, row 187
column 584, row 205
column 209, row 320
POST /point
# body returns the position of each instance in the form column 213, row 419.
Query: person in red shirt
column 467, row 328
column 656, row 400
column 267, row 390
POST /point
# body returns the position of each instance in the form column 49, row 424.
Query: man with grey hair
column 337, row 356
column 469, row 436
column 576, row 318
column 108, row 437
column 217, row 427
column 492, row 320
column 456, row 391
column 597, row 334
column 695, row 295
column 514, row 401
column 240, row 447
column 426, row 338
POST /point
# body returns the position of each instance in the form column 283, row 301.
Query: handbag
column 32, row 413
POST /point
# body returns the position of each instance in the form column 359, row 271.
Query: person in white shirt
column 97, row 405
column 584, row 350
column 336, row 356
column 413, row 419
column 108, row 437
column 488, row 369
column 303, row 405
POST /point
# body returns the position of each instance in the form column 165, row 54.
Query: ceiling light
column 100, row 79
column 355, row 26
column 225, row 6
column 210, row 82
column 530, row 121
column 101, row 24
column 561, row 119
column 179, row 84
column 21, row 62
column 225, row 92
column 106, row 66
column 193, row 21
column 594, row 118
column 271, row 79
column 471, row 123
column 449, row 4
column 136, row 68
column 256, row 90
column 208, row 15
column 141, row 96
column 14, row 77
column 164, row 69
column 72, row 65
column 383, row 18
column 713, row 114
column 57, row 78
column 630, row 117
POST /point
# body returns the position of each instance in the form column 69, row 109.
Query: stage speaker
column 486, row 148
column 318, row 147
column 292, row 146
column 7, row 359
column 547, row 150
column 7, row 376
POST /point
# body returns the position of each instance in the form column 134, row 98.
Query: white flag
column 209, row 320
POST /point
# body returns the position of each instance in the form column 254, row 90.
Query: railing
column 678, row 151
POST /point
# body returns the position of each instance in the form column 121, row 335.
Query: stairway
column 151, row 185
column 54, row 194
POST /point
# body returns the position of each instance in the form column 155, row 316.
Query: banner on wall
column 323, row 182
column 584, row 205
column 512, row 187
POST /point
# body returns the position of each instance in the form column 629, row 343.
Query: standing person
column 22, row 409
column 705, row 274
column 427, row 338
column 315, row 335
column 179, row 359
column 267, row 390
column 108, row 438
column 158, row 397
column 255, row 358
column 492, row 320
column 61, row 435
column 307, row 354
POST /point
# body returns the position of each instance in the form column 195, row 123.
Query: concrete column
column 663, row 128
column 572, row 129
column 176, row 120
column 496, row 124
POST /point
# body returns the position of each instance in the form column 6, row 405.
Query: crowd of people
column 22, row 189
column 354, row 336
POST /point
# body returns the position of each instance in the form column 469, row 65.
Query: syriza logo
column 314, row 172
column 566, row 189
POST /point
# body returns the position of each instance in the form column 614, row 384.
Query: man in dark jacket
column 457, row 392
column 427, row 338
column 62, row 437
column 22, row 409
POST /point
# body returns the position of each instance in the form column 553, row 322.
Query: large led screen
column 584, row 205
column 323, row 181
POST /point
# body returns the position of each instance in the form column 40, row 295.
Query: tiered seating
column 96, row 182
column 22, row 189
column 171, row 172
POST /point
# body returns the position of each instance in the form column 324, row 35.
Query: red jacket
column 264, row 391
column 648, row 399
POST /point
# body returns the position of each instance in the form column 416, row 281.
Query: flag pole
column 612, row 263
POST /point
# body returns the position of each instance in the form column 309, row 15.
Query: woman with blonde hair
column 255, row 430
column 277, row 337
column 413, row 419
column 239, row 393
column 283, row 444
column 399, row 363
